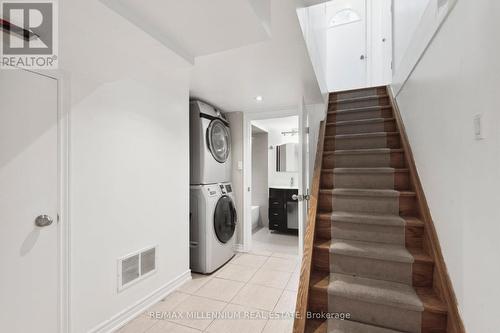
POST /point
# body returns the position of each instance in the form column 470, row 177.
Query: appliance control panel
column 225, row 188
column 222, row 188
column 212, row 190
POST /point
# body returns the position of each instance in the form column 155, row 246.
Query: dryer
column 212, row 226
column 210, row 145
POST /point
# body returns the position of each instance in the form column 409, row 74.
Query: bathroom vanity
column 283, row 210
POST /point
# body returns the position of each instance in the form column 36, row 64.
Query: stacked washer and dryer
column 212, row 210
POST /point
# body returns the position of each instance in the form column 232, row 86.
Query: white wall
column 129, row 164
column 317, row 113
column 313, row 23
column 236, row 126
column 260, row 189
column 274, row 127
column 407, row 16
column 457, row 78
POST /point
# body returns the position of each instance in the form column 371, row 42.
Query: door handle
column 43, row 221
column 362, row 57
column 301, row 197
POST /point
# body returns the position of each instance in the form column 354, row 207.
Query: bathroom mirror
column 287, row 157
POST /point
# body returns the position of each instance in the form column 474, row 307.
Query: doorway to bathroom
column 275, row 167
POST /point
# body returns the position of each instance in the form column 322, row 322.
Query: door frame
column 294, row 110
column 63, row 221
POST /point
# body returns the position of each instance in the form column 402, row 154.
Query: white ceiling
column 278, row 124
column 240, row 49
column 257, row 130
column 194, row 28
column 313, row 2
column 279, row 69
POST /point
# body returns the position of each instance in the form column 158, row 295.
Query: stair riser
column 359, row 115
column 358, row 93
column 407, row 204
column 423, row 273
column 376, row 314
column 400, row 181
column 345, row 326
column 321, row 261
column 368, row 160
column 371, row 268
column 370, row 127
column 318, row 300
column 352, row 104
column 383, row 205
column 364, row 181
column 414, row 237
column 435, row 323
column 368, row 233
column 390, row 141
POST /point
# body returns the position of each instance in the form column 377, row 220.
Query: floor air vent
column 136, row 266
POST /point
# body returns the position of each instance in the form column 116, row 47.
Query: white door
column 29, row 254
column 303, row 172
column 380, row 42
column 346, row 45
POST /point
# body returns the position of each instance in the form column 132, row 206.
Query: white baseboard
column 142, row 305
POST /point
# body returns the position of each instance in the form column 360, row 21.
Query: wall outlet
column 478, row 127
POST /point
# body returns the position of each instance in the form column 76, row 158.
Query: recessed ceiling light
column 259, row 98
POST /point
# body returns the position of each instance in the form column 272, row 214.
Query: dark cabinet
column 283, row 210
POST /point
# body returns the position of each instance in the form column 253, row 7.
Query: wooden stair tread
column 358, row 99
column 322, row 245
column 360, row 135
column 413, row 221
column 368, row 191
column 420, row 256
column 361, row 151
column 319, row 280
column 432, row 302
column 360, row 121
column 396, row 170
column 360, row 109
column 335, row 93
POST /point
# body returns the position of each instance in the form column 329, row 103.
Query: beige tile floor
column 261, row 284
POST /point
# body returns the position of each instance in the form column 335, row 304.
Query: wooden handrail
column 299, row 324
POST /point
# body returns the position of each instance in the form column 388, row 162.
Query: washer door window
column 224, row 219
column 219, row 141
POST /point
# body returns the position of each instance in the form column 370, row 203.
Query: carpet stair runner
column 363, row 190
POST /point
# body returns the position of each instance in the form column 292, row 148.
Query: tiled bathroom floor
column 265, row 239
column 260, row 284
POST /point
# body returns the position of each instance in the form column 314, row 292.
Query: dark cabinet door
column 278, row 199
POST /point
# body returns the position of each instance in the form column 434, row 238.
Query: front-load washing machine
column 210, row 145
column 212, row 226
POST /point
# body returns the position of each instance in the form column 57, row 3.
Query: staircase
column 369, row 253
